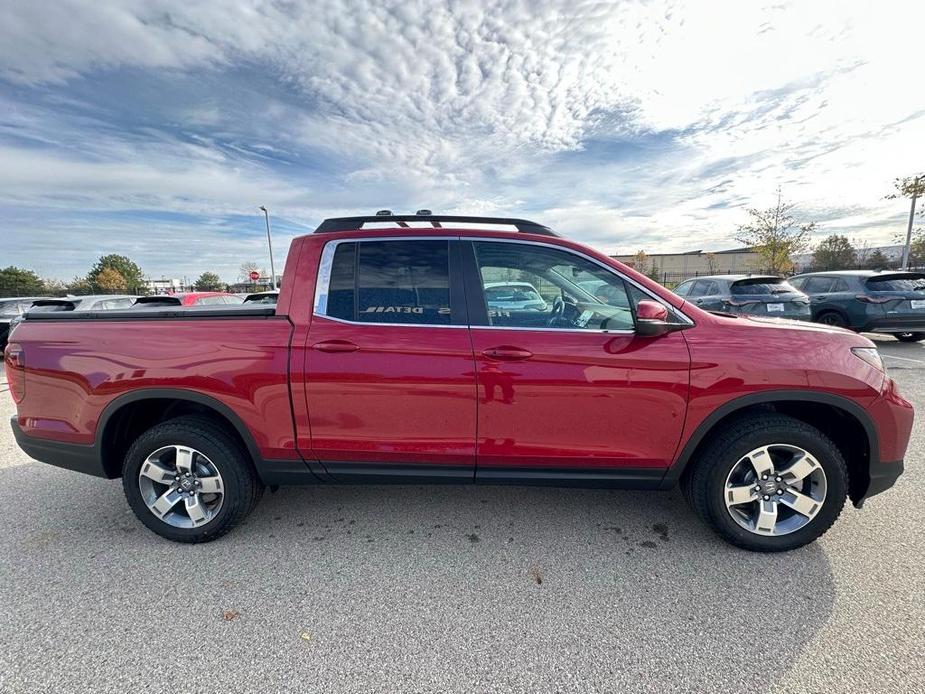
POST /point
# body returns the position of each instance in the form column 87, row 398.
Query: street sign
column 254, row 275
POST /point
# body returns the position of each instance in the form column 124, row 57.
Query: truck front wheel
column 768, row 482
column 189, row 480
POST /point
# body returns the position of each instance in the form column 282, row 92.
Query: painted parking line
column 890, row 356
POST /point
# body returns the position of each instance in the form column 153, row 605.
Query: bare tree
column 246, row 269
column 776, row 235
column 863, row 250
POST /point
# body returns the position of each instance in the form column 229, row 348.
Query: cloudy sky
column 157, row 128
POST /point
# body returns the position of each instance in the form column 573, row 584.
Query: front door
column 566, row 388
column 390, row 382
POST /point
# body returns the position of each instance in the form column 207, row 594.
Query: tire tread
column 721, row 448
column 237, row 463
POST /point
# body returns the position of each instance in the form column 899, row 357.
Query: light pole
column 915, row 195
column 266, row 216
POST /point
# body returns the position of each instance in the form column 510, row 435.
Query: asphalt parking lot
column 455, row 589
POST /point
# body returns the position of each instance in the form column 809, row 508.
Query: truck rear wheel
column 189, row 480
column 769, row 483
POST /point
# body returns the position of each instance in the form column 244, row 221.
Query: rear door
column 570, row 392
column 390, row 380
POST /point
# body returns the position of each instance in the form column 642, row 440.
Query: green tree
column 835, row 252
column 917, row 249
column 208, row 282
column 776, row 235
column 109, row 281
column 132, row 276
column 876, row 260
column 17, row 281
column 79, row 286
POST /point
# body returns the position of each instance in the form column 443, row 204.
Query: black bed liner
column 132, row 314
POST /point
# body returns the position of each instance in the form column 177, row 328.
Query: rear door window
column 818, row 285
column 698, row 288
column 405, row 282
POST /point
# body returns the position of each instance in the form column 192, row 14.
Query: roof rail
column 336, row 224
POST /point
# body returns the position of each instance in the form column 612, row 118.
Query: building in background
column 164, row 286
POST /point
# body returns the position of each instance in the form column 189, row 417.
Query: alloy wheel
column 175, row 474
column 775, row 489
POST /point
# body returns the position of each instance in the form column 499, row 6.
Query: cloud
column 626, row 124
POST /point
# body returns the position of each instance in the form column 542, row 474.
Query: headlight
column 871, row 355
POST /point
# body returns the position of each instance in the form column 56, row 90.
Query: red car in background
column 384, row 360
column 190, row 299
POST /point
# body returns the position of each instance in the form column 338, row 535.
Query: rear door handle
column 507, row 353
column 336, row 346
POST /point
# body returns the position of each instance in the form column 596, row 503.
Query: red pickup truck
column 383, row 361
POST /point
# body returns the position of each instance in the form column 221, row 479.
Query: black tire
column 909, row 337
column 705, row 483
column 833, row 318
column 242, row 487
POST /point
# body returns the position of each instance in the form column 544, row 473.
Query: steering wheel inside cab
column 562, row 314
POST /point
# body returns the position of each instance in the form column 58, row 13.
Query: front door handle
column 336, row 346
column 507, row 353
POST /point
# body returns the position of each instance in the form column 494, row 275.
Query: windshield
column 261, row 299
column 761, row 287
column 9, row 308
column 896, row 284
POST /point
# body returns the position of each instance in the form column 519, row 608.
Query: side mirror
column 652, row 319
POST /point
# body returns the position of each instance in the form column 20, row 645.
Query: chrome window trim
column 323, row 281
column 394, row 325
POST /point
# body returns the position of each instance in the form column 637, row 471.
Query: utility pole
column 915, row 195
column 266, row 216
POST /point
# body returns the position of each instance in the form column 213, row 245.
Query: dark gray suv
column 867, row 301
column 752, row 295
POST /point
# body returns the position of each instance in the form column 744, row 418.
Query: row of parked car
column 13, row 307
column 861, row 300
